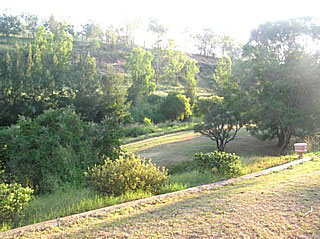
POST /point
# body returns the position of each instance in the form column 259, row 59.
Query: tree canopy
column 281, row 76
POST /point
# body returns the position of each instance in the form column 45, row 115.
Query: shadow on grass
column 295, row 199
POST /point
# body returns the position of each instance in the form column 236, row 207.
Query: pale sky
column 233, row 17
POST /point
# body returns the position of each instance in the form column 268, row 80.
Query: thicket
column 55, row 148
column 176, row 107
column 218, row 162
column 13, row 199
column 44, row 74
column 127, row 173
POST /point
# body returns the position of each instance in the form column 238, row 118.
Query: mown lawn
column 285, row 204
column 175, row 148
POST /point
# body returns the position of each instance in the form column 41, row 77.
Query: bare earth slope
column 285, row 204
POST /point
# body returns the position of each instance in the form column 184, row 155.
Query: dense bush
column 221, row 162
column 135, row 130
column 149, row 108
column 13, row 199
column 54, row 148
column 176, row 107
column 128, row 173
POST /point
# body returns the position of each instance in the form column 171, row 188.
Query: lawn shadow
column 299, row 202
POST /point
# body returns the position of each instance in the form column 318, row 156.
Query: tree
column 176, row 107
column 10, row 25
column 281, row 77
column 30, row 24
column 33, row 79
column 229, row 47
column 158, row 29
column 188, row 77
column 207, row 42
column 113, row 96
column 92, row 31
column 141, row 74
column 224, row 114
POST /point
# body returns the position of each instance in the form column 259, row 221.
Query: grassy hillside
column 117, row 57
column 280, row 205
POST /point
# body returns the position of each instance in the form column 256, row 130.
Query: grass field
column 285, row 204
column 174, row 148
column 175, row 151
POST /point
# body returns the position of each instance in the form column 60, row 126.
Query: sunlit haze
column 235, row 18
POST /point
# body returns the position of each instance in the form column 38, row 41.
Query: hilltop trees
column 10, row 25
column 32, row 81
column 45, row 75
column 159, row 30
column 282, row 78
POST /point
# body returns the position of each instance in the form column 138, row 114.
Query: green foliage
column 55, row 148
column 158, row 29
column 220, row 162
column 151, row 111
column 13, row 200
column 141, row 73
column 147, row 121
column 176, row 107
column 281, row 77
column 188, row 77
column 221, row 123
column 10, row 25
column 127, row 173
column 33, row 77
column 205, row 104
column 225, row 114
column 149, row 108
column 135, row 130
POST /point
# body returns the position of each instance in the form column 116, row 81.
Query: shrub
column 176, row 107
column 135, row 130
column 221, row 162
column 127, row 173
column 147, row 121
column 146, row 109
column 54, row 148
column 13, row 199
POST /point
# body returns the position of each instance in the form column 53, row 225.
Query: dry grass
column 280, row 205
column 174, row 148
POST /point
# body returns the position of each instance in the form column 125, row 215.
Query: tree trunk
column 220, row 145
column 281, row 139
column 287, row 138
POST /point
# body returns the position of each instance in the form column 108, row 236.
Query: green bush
column 139, row 112
column 147, row 121
column 135, row 130
column 13, row 199
column 54, row 148
column 176, row 107
column 221, row 162
column 127, row 173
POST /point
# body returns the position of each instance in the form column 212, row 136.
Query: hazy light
column 235, row 18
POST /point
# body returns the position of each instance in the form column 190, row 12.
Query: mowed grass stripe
column 156, row 141
column 284, row 204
